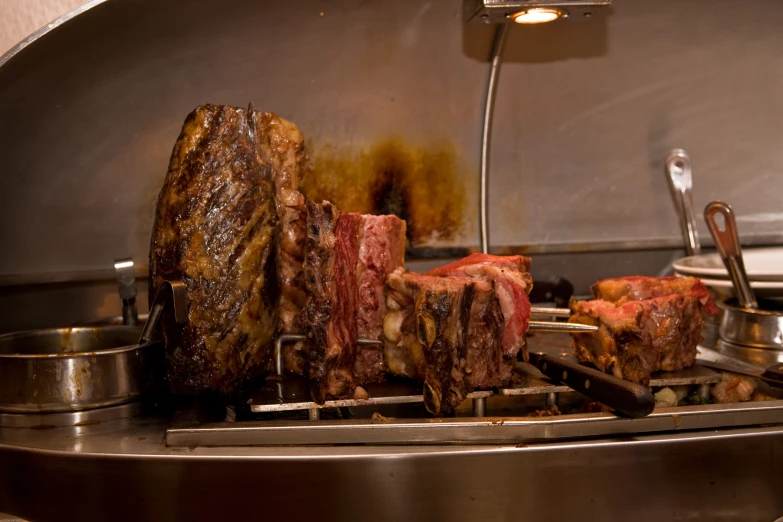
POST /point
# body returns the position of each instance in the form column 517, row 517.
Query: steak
column 426, row 331
column 636, row 338
column 636, row 288
column 215, row 229
column 381, row 251
column 329, row 317
column 512, row 282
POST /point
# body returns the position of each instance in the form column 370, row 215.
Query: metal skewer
column 541, row 326
column 550, row 312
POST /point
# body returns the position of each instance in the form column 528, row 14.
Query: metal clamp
column 174, row 292
column 126, row 284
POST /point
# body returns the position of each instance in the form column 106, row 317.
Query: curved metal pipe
column 489, row 106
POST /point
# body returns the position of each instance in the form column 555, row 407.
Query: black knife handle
column 633, row 400
column 774, row 375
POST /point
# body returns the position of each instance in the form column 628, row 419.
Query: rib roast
column 329, row 317
column 645, row 324
column 215, row 228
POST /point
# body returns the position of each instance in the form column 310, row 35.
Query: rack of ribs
column 510, row 276
column 426, row 334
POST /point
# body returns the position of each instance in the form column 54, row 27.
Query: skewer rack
column 265, row 419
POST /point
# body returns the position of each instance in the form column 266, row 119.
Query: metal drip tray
column 275, row 415
column 488, row 430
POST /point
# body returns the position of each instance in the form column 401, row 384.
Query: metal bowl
column 71, row 369
column 762, row 328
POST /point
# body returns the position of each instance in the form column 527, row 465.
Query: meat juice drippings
column 426, row 186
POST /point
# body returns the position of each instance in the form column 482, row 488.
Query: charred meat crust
column 426, row 334
column 215, row 229
column 511, row 279
column 638, row 338
column 441, row 327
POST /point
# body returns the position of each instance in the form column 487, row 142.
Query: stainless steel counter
column 121, row 470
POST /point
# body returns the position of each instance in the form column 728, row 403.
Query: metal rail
column 486, row 133
column 488, row 430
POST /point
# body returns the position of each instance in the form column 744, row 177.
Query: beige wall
column 19, row 18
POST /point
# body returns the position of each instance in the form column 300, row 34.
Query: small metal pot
column 753, row 327
column 71, row 369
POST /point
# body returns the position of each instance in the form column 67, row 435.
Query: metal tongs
column 126, row 284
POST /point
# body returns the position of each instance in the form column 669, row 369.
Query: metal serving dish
column 71, row 369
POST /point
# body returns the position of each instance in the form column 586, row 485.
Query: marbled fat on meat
column 381, row 251
column 329, row 317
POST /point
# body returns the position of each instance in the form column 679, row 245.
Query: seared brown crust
column 329, row 317
column 637, row 288
column 215, row 229
column 637, row 338
column 281, row 147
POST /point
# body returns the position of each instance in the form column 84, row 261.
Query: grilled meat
column 426, row 332
column 637, row 288
column 645, row 324
column 281, row 148
column 215, row 228
column 381, row 251
column 512, row 281
column 637, row 338
column 329, row 317
column 487, row 364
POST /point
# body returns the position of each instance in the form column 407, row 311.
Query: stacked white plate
column 763, row 265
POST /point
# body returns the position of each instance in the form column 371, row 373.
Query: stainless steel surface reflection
column 727, row 475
